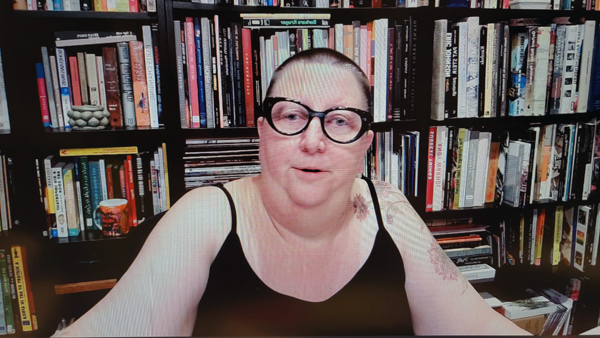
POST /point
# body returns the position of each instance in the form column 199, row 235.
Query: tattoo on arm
column 444, row 265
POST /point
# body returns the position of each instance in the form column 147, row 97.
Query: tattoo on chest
column 361, row 209
column 443, row 265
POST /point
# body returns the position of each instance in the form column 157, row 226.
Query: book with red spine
column 109, row 181
column 192, row 72
column 75, row 86
column 430, row 168
column 111, row 82
column 248, row 76
column 140, row 86
column 41, row 82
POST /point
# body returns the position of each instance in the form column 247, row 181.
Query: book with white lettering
column 79, row 38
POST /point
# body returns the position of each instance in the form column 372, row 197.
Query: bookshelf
column 93, row 257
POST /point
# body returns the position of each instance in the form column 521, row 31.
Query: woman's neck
column 294, row 221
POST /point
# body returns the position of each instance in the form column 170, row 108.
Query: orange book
column 490, row 190
column 130, row 184
column 248, row 76
column 140, row 87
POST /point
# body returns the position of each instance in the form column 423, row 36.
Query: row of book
column 212, row 161
column 82, row 70
column 4, row 119
column 7, row 193
column 17, row 310
column 127, row 6
column 550, row 236
column 554, row 162
column 224, row 68
column 513, row 69
column 73, row 184
column 394, row 158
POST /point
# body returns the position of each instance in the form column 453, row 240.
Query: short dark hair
column 325, row 56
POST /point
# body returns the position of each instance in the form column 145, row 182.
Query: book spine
column 520, row 41
column 41, row 82
column 102, row 89
column 140, row 86
column 23, row 301
column 248, row 76
column 430, row 168
column 111, row 77
column 150, row 75
column 82, row 74
column 78, row 193
column 180, row 73
column 124, row 61
column 49, row 88
column 238, row 74
column 587, row 56
column 6, row 297
column 205, row 28
column 70, row 201
column 56, row 90
column 131, row 191
column 441, row 146
column 59, row 200
column 192, row 73
column 472, row 67
column 92, row 78
column 200, row 73
column 438, row 80
column 74, row 72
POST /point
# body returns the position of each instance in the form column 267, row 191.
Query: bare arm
column 441, row 300
column 159, row 294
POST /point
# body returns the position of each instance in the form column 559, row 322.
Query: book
column 59, row 200
column 72, row 210
column 80, row 38
column 39, row 68
column 111, row 77
column 4, row 119
column 150, row 75
column 6, row 293
column 92, row 78
column 128, row 103
column 140, row 86
column 534, row 305
column 26, row 318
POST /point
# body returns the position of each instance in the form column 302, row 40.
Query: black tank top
column 237, row 303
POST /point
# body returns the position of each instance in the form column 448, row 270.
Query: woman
column 306, row 247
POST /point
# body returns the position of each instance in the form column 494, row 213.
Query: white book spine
column 111, row 5
column 102, row 165
column 101, row 82
column 463, row 170
column 4, row 119
column 596, row 237
column 568, row 75
column 461, row 110
column 491, row 67
column 438, row 76
column 63, row 82
column 380, row 79
column 540, row 80
column 363, row 48
column 582, row 219
column 483, row 158
column 587, row 52
column 59, row 200
column 339, row 37
column 472, row 80
column 92, row 78
column 150, row 76
column 151, row 5
column 263, row 75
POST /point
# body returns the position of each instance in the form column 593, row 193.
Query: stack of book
column 211, row 161
column 109, row 69
column 17, row 310
column 469, row 246
column 554, row 162
column 224, row 68
column 529, row 69
column 87, row 5
column 74, row 183
column 394, row 158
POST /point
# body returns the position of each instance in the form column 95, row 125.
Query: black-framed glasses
column 341, row 124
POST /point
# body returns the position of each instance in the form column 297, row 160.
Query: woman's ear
column 259, row 124
column 367, row 140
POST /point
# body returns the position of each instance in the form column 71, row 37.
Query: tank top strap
column 375, row 201
column 231, row 205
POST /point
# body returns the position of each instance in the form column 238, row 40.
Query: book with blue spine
column 200, row 71
column 96, row 189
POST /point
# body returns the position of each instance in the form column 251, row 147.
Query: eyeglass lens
column 340, row 125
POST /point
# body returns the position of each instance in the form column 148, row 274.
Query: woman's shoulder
column 395, row 208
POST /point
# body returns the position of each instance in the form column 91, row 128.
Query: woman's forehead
column 314, row 81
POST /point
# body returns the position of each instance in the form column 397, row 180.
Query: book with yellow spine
column 23, row 299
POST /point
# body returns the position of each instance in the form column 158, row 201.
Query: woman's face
column 309, row 168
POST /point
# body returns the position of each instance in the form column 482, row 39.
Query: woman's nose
column 313, row 138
